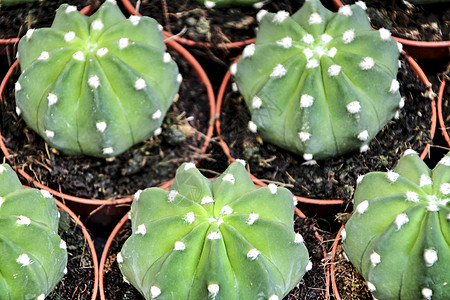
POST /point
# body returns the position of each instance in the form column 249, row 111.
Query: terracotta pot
column 112, row 207
column 418, row 49
column 441, row 113
column 107, row 261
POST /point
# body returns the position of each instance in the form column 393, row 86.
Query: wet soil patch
column 333, row 178
column 312, row 286
column 146, row 164
column 410, row 21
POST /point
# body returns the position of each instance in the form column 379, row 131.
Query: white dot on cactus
column 312, row 63
column 385, row 34
column 425, row 180
column 307, row 156
column 361, row 4
column 241, row 161
column 94, row 81
column 445, row 188
column 226, row 210
column 261, row 14
column 258, row 5
column 137, row 195
column 119, row 258
column 123, row 43
column 101, row 126
column 280, row 16
column 326, row 38
column 278, row 72
column 397, row 115
column 167, row 58
column 179, row 246
column 412, row 196
column 45, row 194
column 308, row 39
column 285, row 42
column 256, row 102
column 112, row 1
column 253, row 254
column 156, row 115
column 401, row 220
column 179, row 78
column 2, row 169
column 234, row 87
column 274, row 297
column 142, row 230
column 214, row 235
column 363, row 135
column 102, row 51
column 309, row 266
column 52, row 99
column 189, row 165
column 252, row 127
column 298, row 239
column 108, row 150
column 308, row 53
column 362, row 207
column 155, row 291
column 209, row 4
column 367, row 63
column 140, row 84
column 213, row 290
column 49, row 134
column 348, row 36
column 306, row 100
column 135, row 20
column 79, row 55
column 334, row 70
column 23, row 220
column 304, row 136
column 343, row 234
column 332, row 52
column 354, row 107
column 18, row 111
column 1, row 201
column 24, row 260
column 29, row 33
column 125, row 279
column 375, row 259
column 315, row 18
column 71, row 8
column 207, row 200
column 294, row 200
column 409, row 151
column 392, row 176
column 129, row 215
column 395, row 85
column 190, row 217
column 252, row 218
column 157, row 131
column 44, row 56
column 62, row 244
column 364, row 148
column 445, row 161
column 172, row 194
column 97, row 25
column 272, row 188
column 233, row 69
column 401, row 104
column 41, row 297
column 371, row 286
column 69, row 36
column 65, row 271
column 249, row 51
column 345, row 11
column 430, row 256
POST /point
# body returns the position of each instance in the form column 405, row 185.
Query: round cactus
column 221, row 3
column 95, row 85
column 399, row 235
column 216, row 239
column 33, row 256
column 318, row 83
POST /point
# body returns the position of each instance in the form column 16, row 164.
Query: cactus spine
column 222, row 3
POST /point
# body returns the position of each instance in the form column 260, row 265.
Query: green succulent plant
column 399, row 234
column 319, row 83
column 33, row 257
column 222, row 3
column 95, row 85
column 216, row 239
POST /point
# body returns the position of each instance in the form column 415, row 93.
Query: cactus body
column 95, row 85
column 319, row 83
column 32, row 255
column 222, row 3
column 399, row 235
column 213, row 239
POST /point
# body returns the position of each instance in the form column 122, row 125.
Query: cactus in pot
column 319, row 83
column 213, row 239
column 95, row 85
column 33, row 257
column 399, row 234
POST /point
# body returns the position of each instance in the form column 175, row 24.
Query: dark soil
column 312, row 286
column 333, row 178
column 415, row 22
column 146, row 164
column 78, row 283
column 446, row 100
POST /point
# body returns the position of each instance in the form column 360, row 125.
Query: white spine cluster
column 229, row 177
column 280, row 17
column 392, row 176
column 315, row 18
column 285, row 42
column 362, row 207
column 306, row 100
column 348, row 36
column 278, row 71
column 249, row 51
column 256, row 102
column 252, row 127
column 401, row 220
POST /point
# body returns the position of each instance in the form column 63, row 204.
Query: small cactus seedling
column 33, row 257
column 399, row 234
column 95, row 85
column 213, row 239
column 318, row 83
column 221, row 3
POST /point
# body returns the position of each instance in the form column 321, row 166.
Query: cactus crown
column 33, row 256
column 221, row 3
column 217, row 239
column 95, row 85
column 399, row 235
column 319, row 83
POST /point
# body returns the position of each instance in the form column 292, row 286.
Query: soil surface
column 146, row 164
column 333, row 178
column 411, row 21
column 78, row 283
column 312, row 286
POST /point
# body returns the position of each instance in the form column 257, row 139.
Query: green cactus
column 95, row 85
column 213, row 239
column 399, row 235
column 33, row 256
column 318, row 83
column 222, row 3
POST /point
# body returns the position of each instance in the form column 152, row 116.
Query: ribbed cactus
column 399, row 235
column 319, row 83
column 33, row 257
column 213, row 239
column 95, row 85
column 221, row 3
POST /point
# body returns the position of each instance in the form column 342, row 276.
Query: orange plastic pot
column 418, row 49
column 441, row 113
